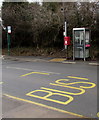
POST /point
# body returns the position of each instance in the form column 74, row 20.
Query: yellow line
column 35, row 73
column 77, row 78
column 46, row 106
column 57, row 60
column 1, row 82
column 98, row 114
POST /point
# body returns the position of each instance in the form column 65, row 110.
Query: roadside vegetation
column 38, row 29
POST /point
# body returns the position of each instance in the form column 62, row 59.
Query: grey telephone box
column 81, row 43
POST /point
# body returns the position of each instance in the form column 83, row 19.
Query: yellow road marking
column 51, row 94
column 57, row 60
column 66, row 84
column 46, row 106
column 78, row 78
column 1, row 82
column 82, row 90
column 98, row 114
column 35, row 73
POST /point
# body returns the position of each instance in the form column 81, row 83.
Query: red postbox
column 66, row 40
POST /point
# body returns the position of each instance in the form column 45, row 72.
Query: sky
column 16, row 1
column 55, row 1
column 1, row 2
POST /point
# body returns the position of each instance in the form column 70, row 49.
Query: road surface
column 66, row 88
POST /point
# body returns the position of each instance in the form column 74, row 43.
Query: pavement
column 48, row 59
column 21, row 107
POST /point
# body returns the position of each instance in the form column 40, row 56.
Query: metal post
column 84, row 47
column 8, row 38
column 8, row 41
column 65, row 29
column 66, row 46
column 65, row 23
column 65, row 33
column 73, row 46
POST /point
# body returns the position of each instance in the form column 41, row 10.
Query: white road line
column 17, row 68
column 1, row 57
column 69, row 62
column 93, row 63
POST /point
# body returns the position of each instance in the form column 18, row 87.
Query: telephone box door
column 80, row 43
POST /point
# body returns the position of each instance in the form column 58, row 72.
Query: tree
column 16, row 15
column 42, row 26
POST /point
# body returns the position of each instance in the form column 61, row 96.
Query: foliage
column 38, row 26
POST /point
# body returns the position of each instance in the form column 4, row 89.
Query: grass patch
column 50, row 52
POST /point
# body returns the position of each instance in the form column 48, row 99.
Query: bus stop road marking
column 35, row 73
column 78, row 78
column 43, row 105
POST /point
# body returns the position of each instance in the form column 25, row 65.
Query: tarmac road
column 66, row 88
